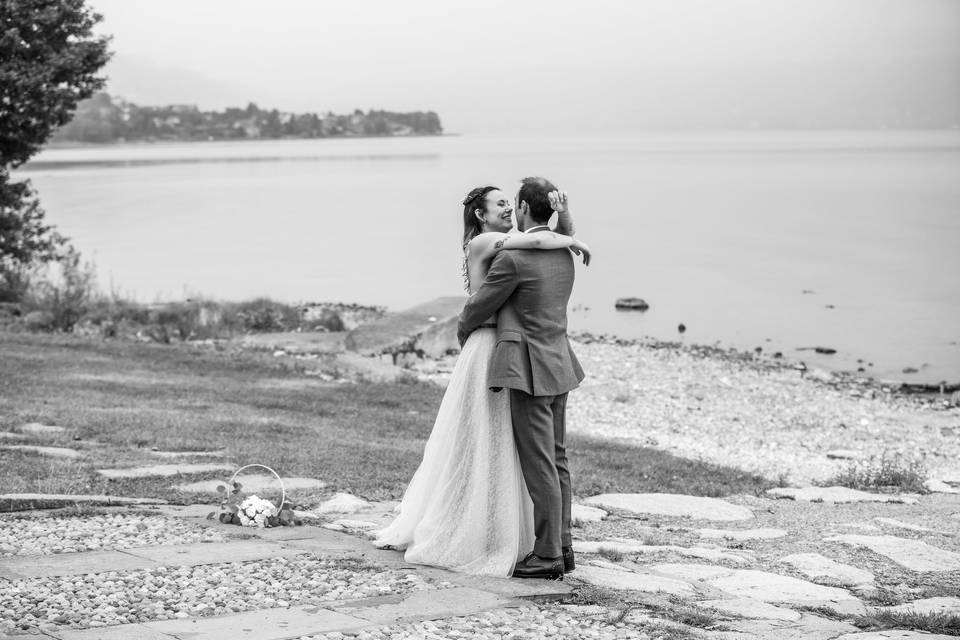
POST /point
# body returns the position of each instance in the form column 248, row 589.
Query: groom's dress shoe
column 568, row 563
column 533, row 566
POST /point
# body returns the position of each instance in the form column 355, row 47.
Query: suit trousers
column 539, row 429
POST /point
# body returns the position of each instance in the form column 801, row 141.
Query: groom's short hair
column 534, row 191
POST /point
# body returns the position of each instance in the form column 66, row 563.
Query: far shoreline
column 68, row 144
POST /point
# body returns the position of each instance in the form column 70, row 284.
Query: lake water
column 722, row 232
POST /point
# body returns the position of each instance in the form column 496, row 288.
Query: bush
column 262, row 315
column 885, row 473
column 14, row 283
column 65, row 293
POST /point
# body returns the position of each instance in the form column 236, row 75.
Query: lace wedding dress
column 467, row 506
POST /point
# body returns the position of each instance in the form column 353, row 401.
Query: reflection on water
column 723, row 232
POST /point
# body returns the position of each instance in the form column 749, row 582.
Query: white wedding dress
column 467, row 506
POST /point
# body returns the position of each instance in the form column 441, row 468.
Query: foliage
column 106, row 119
column 942, row 623
column 886, row 472
column 264, row 315
column 24, row 237
column 613, row 555
column 49, row 61
column 66, row 293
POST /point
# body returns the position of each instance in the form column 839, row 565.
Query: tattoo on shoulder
column 499, row 244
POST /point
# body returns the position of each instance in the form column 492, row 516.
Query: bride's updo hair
column 476, row 199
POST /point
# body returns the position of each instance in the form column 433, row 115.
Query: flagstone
column 580, row 513
column 742, row 534
column 505, row 587
column 47, row 452
column 892, row 522
column 814, row 565
column 441, row 603
column 671, row 504
column 809, row 627
column 862, row 526
column 162, row 470
column 928, row 605
column 39, row 429
column 915, row 555
column 116, row 632
column 605, row 576
column 939, row 486
column 343, row 503
column 771, row 587
column 627, row 546
column 690, row 571
column 70, row 564
column 264, row 624
column 48, row 500
column 200, row 553
column 836, row 494
column 749, row 608
column 253, row 484
column 759, row 585
column 363, row 525
column 188, row 454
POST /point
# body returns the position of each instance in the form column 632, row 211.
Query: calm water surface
column 723, row 232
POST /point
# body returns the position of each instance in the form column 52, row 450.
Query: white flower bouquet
column 255, row 512
column 252, row 510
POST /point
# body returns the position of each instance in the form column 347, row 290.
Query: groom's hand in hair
column 558, row 201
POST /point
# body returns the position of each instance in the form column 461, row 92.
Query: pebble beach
column 773, row 418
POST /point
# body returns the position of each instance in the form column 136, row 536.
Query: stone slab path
column 253, row 484
column 814, row 565
column 669, row 504
column 188, row 454
column 46, row 452
column 164, row 470
column 314, row 583
column 20, row 501
column 264, row 624
column 41, row 430
column 915, row 555
column 436, row 594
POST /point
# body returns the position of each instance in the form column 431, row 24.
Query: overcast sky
column 532, row 65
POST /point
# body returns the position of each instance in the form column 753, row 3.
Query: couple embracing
column 492, row 493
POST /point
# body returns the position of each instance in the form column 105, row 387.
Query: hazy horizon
column 535, row 66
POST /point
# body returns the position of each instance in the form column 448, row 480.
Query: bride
column 467, row 507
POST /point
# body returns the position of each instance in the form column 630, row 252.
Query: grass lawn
column 124, row 398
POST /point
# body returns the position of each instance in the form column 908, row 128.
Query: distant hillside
column 104, row 119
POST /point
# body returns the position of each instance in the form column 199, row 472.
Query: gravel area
column 110, row 598
column 756, row 415
column 41, row 534
column 526, row 623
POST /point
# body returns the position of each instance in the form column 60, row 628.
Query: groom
column 533, row 359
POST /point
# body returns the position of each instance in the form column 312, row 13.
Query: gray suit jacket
column 530, row 289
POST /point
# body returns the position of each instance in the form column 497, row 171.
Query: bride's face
column 499, row 212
